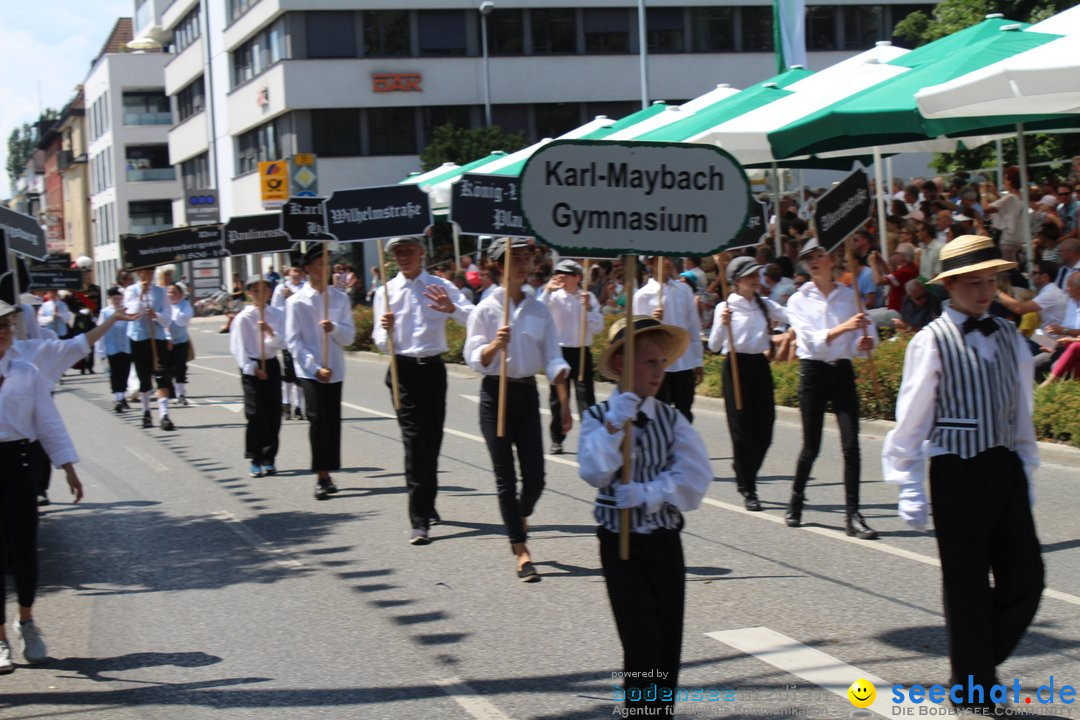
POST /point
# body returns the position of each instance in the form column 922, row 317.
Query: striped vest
column 653, row 453
column 976, row 399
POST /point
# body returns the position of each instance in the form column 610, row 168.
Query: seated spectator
column 896, row 274
column 779, row 287
column 918, row 308
column 1049, row 301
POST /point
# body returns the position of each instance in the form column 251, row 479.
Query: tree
column 21, row 144
column 951, row 16
column 451, row 143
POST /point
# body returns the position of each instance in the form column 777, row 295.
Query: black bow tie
column 986, row 326
column 641, row 420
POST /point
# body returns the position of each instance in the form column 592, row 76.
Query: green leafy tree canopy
column 451, row 143
column 21, row 144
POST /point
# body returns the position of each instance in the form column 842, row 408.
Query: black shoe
column 751, row 502
column 286, row 412
column 857, row 527
column 793, row 516
column 146, row 422
column 125, row 404
column 434, row 519
column 183, row 400
column 43, row 499
column 119, row 407
column 167, row 424
column 556, row 448
column 527, row 573
column 321, row 491
column 330, row 486
column 297, row 414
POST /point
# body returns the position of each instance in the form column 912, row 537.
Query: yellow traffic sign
column 274, row 183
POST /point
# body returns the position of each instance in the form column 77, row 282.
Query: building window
column 511, row 118
column 386, row 33
column 757, row 29
column 147, row 163
column 236, row 8
column 258, row 53
column 191, row 99
column 196, row 172
column 553, row 119
column 506, row 32
column 336, row 133
column 439, row 115
column 260, row 144
column 186, row 31
column 331, row 34
column 712, row 29
column 863, row 26
column 821, row 27
column 149, row 107
column 614, row 110
column 665, row 30
column 143, row 8
column 553, row 31
column 442, row 32
column 146, row 216
column 391, row 131
column 607, row 31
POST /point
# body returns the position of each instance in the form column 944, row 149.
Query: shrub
column 364, row 319
column 1057, row 412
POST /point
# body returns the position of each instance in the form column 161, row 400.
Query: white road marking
column 227, row 404
column 824, row 532
column 153, row 463
column 257, row 541
column 469, row 701
column 812, row 665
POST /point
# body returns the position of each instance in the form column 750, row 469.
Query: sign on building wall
column 201, row 205
column 396, row 82
column 274, row 183
column 304, row 174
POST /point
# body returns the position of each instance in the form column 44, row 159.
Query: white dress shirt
column 28, row 321
column 1052, row 302
column 753, row 333
column 533, row 347
column 679, row 310
column 419, row 329
column 304, row 337
column 812, row 314
column 50, row 356
column 244, row 337
column 27, row 411
column 55, row 315
column 278, row 298
column 181, row 314
column 907, row 446
column 565, row 310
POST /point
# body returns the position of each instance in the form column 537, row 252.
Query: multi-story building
column 72, row 163
column 132, row 183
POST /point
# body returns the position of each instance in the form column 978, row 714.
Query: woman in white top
column 1008, row 212
column 530, row 347
column 751, row 319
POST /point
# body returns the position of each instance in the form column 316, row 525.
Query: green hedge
column 1057, row 407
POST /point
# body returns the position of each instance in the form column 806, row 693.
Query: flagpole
column 643, row 54
column 500, row 430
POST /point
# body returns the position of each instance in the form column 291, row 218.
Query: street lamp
column 485, row 10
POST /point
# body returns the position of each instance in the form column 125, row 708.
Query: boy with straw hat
column 965, row 402
column 671, row 474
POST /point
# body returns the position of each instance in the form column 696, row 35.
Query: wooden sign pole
column 261, row 303
column 629, row 282
column 326, row 302
column 660, row 279
column 507, row 263
column 583, row 286
column 732, row 355
column 859, row 307
column 389, row 335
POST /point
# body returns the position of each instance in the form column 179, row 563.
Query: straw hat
column 970, row 253
column 673, row 339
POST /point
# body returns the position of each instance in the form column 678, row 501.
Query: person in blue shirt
column 116, row 347
column 150, row 304
column 179, row 341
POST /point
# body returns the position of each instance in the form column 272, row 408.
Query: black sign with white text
column 304, row 218
column 253, row 234
column 487, row 205
column 171, row 246
column 757, row 222
column 24, row 235
column 843, row 210
column 377, row 213
column 47, row 278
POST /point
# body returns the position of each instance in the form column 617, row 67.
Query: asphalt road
column 182, row 588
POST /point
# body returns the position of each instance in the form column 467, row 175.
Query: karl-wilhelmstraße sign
column 24, row 235
column 843, row 210
column 253, row 234
column 377, row 213
column 487, row 205
column 171, row 246
column 304, row 218
column 634, row 197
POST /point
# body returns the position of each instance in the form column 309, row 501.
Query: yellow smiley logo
column 862, row 693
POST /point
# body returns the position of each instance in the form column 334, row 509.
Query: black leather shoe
column 167, row 424
column 321, row 491
column 793, row 516
column 434, row 519
column 750, row 500
column 146, row 421
column 857, row 527
column 330, row 486
column 119, row 407
column 527, row 573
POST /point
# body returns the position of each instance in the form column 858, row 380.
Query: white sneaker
column 5, row 658
column 33, row 644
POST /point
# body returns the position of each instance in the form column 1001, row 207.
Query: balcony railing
column 149, row 174
column 141, row 117
column 143, row 229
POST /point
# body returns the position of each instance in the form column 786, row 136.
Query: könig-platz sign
column 634, row 197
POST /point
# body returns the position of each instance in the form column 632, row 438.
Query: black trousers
column 119, row 369
column 583, row 390
column 288, row 370
column 522, row 432
column 677, row 390
column 178, row 359
column 42, row 467
column 983, row 524
column 324, row 423
column 18, row 522
column 422, row 389
column 819, row 383
column 143, row 358
column 262, row 408
column 751, row 428
column 647, row 595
